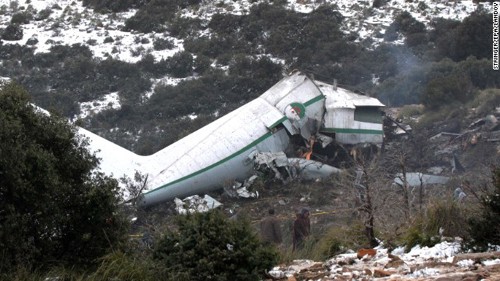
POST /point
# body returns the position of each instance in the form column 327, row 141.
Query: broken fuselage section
column 297, row 112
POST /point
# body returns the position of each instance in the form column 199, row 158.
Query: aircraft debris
column 419, row 179
column 456, row 166
column 241, row 189
column 296, row 112
column 195, row 203
column 458, row 194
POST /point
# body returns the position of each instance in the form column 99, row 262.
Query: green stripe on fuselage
column 317, row 98
column 278, row 122
column 352, row 131
column 251, row 145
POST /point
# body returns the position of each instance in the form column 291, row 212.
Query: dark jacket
column 301, row 230
column 270, row 230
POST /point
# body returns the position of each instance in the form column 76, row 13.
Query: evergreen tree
column 208, row 246
column 54, row 205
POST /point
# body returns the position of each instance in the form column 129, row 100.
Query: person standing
column 301, row 228
column 270, row 229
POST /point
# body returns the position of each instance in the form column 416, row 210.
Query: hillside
column 144, row 79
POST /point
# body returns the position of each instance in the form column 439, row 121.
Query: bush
column 468, row 38
column 59, row 208
column 445, row 90
column 43, row 14
column 201, row 64
column 21, row 18
column 208, row 246
column 160, row 44
column 409, row 111
column 153, row 15
column 425, row 230
column 112, row 5
column 121, row 266
column 339, row 239
column 485, row 230
column 486, row 101
column 182, row 27
column 12, row 32
column 181, row 64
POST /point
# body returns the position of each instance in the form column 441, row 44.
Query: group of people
column 271, row 230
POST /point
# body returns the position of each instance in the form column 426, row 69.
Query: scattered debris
column 239, row 189
column 419, row 179
column 458, row 194
column 195, row 203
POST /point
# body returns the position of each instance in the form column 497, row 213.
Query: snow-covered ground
column 71, row 23
column 420, row 263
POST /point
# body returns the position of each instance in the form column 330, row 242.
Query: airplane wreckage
column 276, row 131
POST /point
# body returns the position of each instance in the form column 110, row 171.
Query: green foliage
column 415, row 236
column 409, row 111
column 468, row 38
column 204, row 95
column 183, row 27
column 12, row 32
column 407, row 25
column 121, row 266
column 181, row 64
column 424, row 230
column 55, row 206
column 160, row 44
column 21, row 18
column 448, row 89
column 43, row 14
column 486, row 101
column 438, row 84
column 153, row 15
column 480, row 72
column 485, row 230
column 210, row 246
column 114, row 266
column 451, row 114
column 338, row 239
column 113, row 5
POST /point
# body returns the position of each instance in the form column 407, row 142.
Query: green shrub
column 59, row 208
column 21, row 18
column 409, row 111
column 201, row 64
column 181, row 64
column 160, row 44
column 452, row 88
column 338, row 239
column 443, row 114
column 112, row 5
column 208, row 246
column 43, row 14
column 485, row 230
column 447, row 217
column 120, row 266
column 183, row 27
column 12, row 32
column 486, row 101
column 480, row 72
